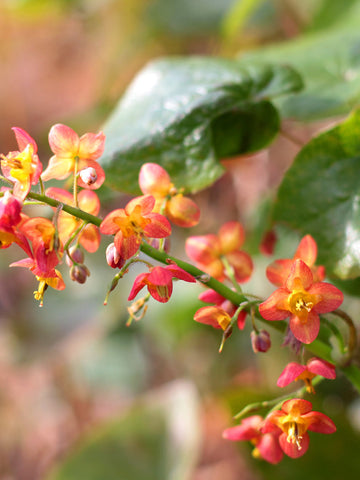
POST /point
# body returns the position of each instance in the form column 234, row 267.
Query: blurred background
column 82, row 396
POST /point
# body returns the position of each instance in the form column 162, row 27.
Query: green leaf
column 329, row 63
column 158, row 439
column 320, row 195
column 186, row 113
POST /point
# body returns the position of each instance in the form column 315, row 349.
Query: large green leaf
column 186, row 113
column 329, row 63
column 320, row 195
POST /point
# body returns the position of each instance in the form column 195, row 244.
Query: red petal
column 146, row 202
column 63, row 140
column 277, row 272
column 291, row 449
column 307, row 250
column 90, row 238
column 159, row 226
column 211, row 316
column 231, row 236
column 203, row 249
column 305, row 331
column 242, row 265
column 182, row 211
column 179, row 273
column 299, row 272
column 139, row 283
column 321, row 367
column 318, row 422
column 269, row 309
column 91, row 146
column 249, row 429
column 290, row 373
column 109, row 226
column 269, row 448
column 23, row 139
column 331, row 297
column 154, row 180
column 300, row 405
column 89, row 202
column 127, row 246
column 210, row 296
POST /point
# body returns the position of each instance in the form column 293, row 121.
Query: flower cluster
column 144, row 225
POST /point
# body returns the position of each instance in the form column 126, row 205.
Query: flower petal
column 305, row 331
column 270, row 449
column 63, row 140
column 270, row 308
column 159, row 227
column 291, row 449
column 321, row 367
column 231, row 236
column 154, row 180
column 318, row 422
column 91, row 146
column 90, row 238
column 23, row 139
column 138, row 285
column 242, row 265
column 58, row 167
column 331, row 297
column 278, row 271
column 290, row 373
column 299, row 271
column 307, row 250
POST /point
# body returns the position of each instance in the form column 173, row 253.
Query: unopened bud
column 76, row 255
column 260, row 341
column 88, row 175
column 113, row 257
column 79, row 273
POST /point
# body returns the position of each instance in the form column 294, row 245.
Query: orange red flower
column 302, row 300
column 294, row 420
column 182, row 211
column 210, row 251
column 23, row 166
column 159, row 282
column 315, row 366
column 266, row 445
column 133, row 223
column 75, row 154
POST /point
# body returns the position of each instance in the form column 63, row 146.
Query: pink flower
column 22, row 167
column 294, row 420
column 208, row 251
column 315, row 366
column 266, row 444
column 278, row 271
column 72, row 152
column 133, row 223
column 159, row 282
column 302, row 300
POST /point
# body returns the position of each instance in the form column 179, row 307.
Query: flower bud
column 260, row 341
column 10, row 210
column 182, row 211
column 79, row 273
column 76, row 255
column 154, row 180
column 113, row 257
column 88, row 175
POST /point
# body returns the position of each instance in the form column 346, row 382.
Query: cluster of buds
column 144, row 224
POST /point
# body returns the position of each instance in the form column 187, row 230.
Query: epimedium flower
column 159, row 282
column 302, row 300
column 278, row 271
column 133, row 223
column 47, row 250
column 315, row 366
column 294, row 420
column 266, row 445
column 72, row 152
column 180, row 210
column 23, row 166
column 67, row 224
column 211, row 251
column 46, row 278
column 210, row 296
